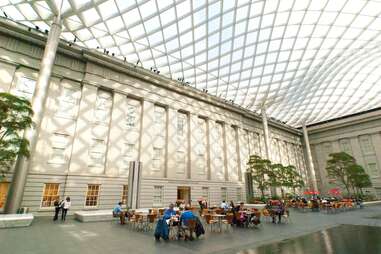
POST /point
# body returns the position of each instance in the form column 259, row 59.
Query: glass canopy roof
column 305, row 61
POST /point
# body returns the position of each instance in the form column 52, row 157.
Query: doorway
column 184, row 194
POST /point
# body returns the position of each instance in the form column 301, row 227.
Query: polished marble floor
column 46, row 236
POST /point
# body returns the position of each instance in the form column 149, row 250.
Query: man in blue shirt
column 118, row 211
column 169, row 212
column 186, row 215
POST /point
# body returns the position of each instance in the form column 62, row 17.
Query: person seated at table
column 118, row 212
column 224, row 205
column 168, row 213
column 279, row 209
column 231, row 205
column 240, row 217
column 185, row 217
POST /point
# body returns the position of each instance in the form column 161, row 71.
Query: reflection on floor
column 348, row 239
column 72, row 237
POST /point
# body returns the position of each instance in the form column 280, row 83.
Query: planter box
column 95, row 215
column 15, row 220
column 256, row 206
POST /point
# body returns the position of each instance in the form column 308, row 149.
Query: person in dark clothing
column 57, row 208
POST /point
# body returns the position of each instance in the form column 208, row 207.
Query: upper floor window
column 25, row 88
column 68, row 102
column 59, row 144
column 157, row 160
column 131, row 116
column 181, row 124
column 103, row 106
column 97, row 153
column 345, row 145
column 366, row 144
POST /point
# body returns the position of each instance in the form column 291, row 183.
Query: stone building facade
column 358, row 135
column 102, row 113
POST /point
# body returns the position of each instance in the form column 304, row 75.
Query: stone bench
column 94, row 215
column 15, row 220
column 99, row 215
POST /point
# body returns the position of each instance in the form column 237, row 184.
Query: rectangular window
column 180, row 162
column 366, row 144
column 68, row 102
column 157, row 160
column 92, row 195
column 224, row 194
column 181, row 124
column 158, row 196
column 372, row 169
column 103, row 106
column 159, row 120
column 239, row 194
column 129, row 154
column 59, row 144
column 50, row 194
column 25, row 88
column 201, row 164
column 345, row 145
column 97, row 153
column 124, row 194
column 4, row 186
column 131, row 116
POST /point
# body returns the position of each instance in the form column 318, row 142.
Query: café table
column 219, row 218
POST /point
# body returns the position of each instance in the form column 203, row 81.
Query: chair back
column 208, row 218
column 191, row 224
column 151, row 218
column 161, row 211
column 230, row 218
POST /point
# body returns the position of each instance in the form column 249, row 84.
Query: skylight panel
column 115, row 24
column 136, row 31
column 13, row 13
column 148, row 9
column 131, row 17
column 108, row 9
column 27, row 11
column 183, row 9
column 80, row 3
column 90, row 17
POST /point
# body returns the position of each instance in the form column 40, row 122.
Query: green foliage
column 358, row 178
column 337, row 167
column 265, row 175
column 343, row 167
column 259, row 169
column 15, row 116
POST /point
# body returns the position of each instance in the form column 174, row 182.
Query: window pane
column 50, row 194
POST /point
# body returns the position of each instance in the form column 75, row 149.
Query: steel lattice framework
column 305, row 61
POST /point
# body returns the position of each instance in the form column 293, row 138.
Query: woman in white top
column 65, row 206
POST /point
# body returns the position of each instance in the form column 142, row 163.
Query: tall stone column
column 266, row 136
column 266, row 133
column 309, row 158
column 38, row 104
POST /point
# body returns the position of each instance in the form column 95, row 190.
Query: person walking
column 65, row 206
column 57, row 208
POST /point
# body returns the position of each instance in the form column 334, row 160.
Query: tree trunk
column 262, row 193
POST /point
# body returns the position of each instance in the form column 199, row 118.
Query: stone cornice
column 38, row 38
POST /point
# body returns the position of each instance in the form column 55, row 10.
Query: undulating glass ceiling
column 306, row 61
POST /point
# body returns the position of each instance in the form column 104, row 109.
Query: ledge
column 15, row 220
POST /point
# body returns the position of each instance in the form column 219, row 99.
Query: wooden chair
column 286, row 217
column 266, row 214
column 190, row 228
column 228, row 221
column 151, row 218
column 209, row 221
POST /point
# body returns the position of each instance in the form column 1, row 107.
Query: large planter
column 256, row 206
